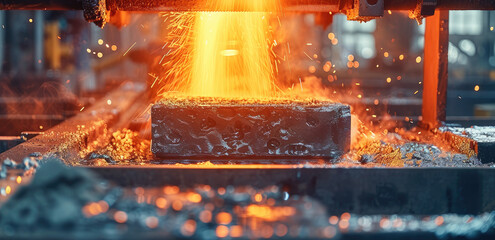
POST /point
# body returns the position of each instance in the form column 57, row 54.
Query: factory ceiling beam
column 210, row 5
column 99, row 11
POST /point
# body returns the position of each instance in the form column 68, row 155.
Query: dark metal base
column 357, row 190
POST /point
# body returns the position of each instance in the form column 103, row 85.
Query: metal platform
column 421, row 191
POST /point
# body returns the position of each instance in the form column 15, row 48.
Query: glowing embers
column 212, row 128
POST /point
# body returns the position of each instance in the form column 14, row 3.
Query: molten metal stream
column 226, row 54
column 231, row 58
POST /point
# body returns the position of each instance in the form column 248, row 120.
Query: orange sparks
column 194, row 197
column 331, row 36
column 258, row 197
column 350, row 58
column 171, row 190
column 120, row 217
column 312, row 69
column 236, row 231
column 222, row 231
column 356, row 64
column 161, row 202
column 224, row 218
column 177, row 205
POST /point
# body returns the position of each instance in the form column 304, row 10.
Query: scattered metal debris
column 63, row 202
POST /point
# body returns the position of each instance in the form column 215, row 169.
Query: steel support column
column 435, row 69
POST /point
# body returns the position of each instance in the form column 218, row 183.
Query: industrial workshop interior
column 247, row 119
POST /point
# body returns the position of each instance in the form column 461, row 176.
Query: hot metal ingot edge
column 208, row 129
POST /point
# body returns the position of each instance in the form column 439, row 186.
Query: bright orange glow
column 177, row 205
column 269, row 213
column 331, row 36
column 222, row 231
column 249, row 72
column 312, row 69
column 103, row 206
column 120, row 217
column 258, row 197
column 171, row 190
column 224, row 54
column 194, row 197
column 95, row 208
column 161, row 202
column 356, row 64
column 236, row 231
column 327, row 66
column 224, row 218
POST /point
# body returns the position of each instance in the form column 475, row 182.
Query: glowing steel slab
column 192, row 128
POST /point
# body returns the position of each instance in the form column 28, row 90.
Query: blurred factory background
column 54, row 64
